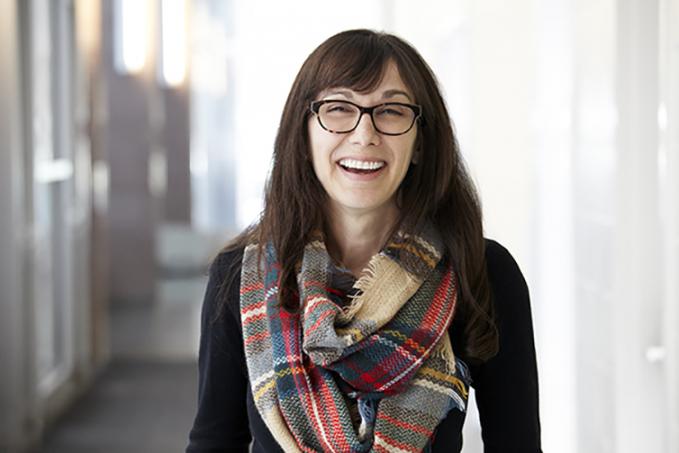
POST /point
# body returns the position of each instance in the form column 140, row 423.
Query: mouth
column 362, row 167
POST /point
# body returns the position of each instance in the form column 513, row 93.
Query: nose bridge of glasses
column 361, row 111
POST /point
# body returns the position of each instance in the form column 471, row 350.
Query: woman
column 357, row 312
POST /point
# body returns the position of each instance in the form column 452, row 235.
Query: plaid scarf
column 376, row 374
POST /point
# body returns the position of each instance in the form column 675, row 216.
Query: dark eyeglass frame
column 315, row 107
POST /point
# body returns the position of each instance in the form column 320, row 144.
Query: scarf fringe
column 444, row 352
column 366, row 280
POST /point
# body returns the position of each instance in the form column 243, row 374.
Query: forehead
column 390, row 85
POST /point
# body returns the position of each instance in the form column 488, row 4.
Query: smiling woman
column 355, row 315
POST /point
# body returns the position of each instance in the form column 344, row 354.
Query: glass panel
column 43, row 153
column 51, row 69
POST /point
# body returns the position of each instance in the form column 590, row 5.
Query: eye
column 338, row 108
column 391, row 111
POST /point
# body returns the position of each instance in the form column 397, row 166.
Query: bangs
column 357, row 63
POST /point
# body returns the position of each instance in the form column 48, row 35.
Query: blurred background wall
column 135, row 137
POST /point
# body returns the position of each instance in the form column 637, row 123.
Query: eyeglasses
column 341, row 117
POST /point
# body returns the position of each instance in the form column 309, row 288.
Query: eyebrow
column 387, row 94
column 392, row 93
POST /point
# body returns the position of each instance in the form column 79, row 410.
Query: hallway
column 136, row 139
column 135, row 406
column 145, row 399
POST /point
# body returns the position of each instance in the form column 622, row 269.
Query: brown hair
column 438, row 189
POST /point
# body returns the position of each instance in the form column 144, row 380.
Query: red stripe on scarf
column 432, row 316
column 405, row 425
column 394, row 443
column 436, row 314
column 382, row 372
column 254, row 287
column 330, row 413
column 254, row 318
column 256, row 337
column 320, row 319
column 256, row 306
column 321, row 286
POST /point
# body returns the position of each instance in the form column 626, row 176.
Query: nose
column 365, row 133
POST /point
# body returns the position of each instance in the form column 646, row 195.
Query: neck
column 354, row 237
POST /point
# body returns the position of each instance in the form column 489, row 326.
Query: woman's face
column 382, row 160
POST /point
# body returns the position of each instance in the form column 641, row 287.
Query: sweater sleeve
column 221, row 422
column 507, row 385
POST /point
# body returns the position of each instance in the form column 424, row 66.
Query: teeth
column 361, row 164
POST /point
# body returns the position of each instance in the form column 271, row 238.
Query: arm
column 221, row 423
column 507, row 385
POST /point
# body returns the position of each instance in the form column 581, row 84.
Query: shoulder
column 224, row 283
column 503, row 271
column 225, row 263
column 510, row 294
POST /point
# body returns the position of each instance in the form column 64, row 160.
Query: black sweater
column 506, row 386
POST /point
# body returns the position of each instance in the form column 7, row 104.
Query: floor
column 136, row 406
column 145, row 400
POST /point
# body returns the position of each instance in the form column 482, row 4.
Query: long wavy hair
column 438, row 189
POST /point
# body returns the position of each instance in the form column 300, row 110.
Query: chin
column 361, row 203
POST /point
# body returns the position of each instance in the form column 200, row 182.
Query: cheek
column 322, row 145
column 406, row 152
column 315, row 154
column 320, row 154
column 320, row 168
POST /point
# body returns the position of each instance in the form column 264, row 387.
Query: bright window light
column 133, row 22
column 173, row 26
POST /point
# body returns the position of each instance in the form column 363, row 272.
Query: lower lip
column 362, row 176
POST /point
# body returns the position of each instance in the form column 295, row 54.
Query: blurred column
column 92, row 173
column 176, row 138
column 638, row 265
column 134, row 118
column 173, row 74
